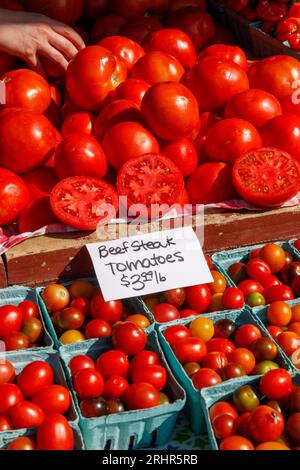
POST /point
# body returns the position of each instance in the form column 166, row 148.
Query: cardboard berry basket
column 260, row 313
column 15, row 295
column 193, row 407
column 130, row 429
column 210, row 397
column 265, row 45
column 135, row 305
column 218, row 11
column 6, row 439
column 21, row 359
column 224, row 259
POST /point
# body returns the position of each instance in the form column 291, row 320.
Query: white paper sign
column 149, row 263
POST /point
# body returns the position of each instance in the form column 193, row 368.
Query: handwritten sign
column 149, row 263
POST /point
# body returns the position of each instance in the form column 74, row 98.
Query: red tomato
column 276, row 384
column 40, row 182
column 224, row 426
column 274, row 331
column 215, row 361
column 275, row 293
column 22, row 443
column 112, row 363
column 88, row 383
column 107, row 25
column 175, row 333
column 175, row 297
column 198, row 297
column 156, row 67
column 94, row 9
column 129, row 338
column 236, row 443
column 143, row 358
column 179, row 4
column 15, row 341
column 139, row 28
column 83, row 193
column 264, row 161
column 83, row 304
column 211, row 183
column 206, row 378
column 10, row 320
column 157, row 180
column 123, row 48
column 80, row 362
column 226, row 53
column 229, row 139
column 266, row 424
column 190, row 350
column 26, row 89
column 283, row 132
column 55, row 433
column 36, row 215
column 26, row 415
column 233, row 298
column 155, row 375
column 135, row 8
column 66, row 11
column 250, row 286
column 97, row 329
column 173, row 42
column 111, row 312
column 96, row 65
column 80, row 155
column 197, row 24
column 69, row 108
column 115, row 387
column 244, row 358
column 222, row 408
column 140, row 396
column 255, row 106
column 14, row 196
column 27, row 140
column 7, row 372
column 114, row 113
column 78, row 122
column 163, row 313
column 183, row 153
column 34, row 377
column 132, row 89
column 5, row 424
column 275, row 74
column 10, row 395
column 133, row 141
column 289, row 342
column 220, row 345
column 53, row 399
column 246, row 335
column 170, row 111
column 214, row 83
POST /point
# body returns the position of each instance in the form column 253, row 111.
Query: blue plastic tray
column 134, row 304
column 193, row 404
column 15, row 295
column 210, row 397
column 131, row 429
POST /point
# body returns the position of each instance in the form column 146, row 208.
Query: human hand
column 31, row 36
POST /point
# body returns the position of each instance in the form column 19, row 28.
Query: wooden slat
column 3, row 278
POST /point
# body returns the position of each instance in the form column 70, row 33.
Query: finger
column 55, row 56
column 35, row 63
column 70, row 34
column 63, row 45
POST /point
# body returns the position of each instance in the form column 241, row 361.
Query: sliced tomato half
column 84, row 202
column 267, row 177
column 150, row 179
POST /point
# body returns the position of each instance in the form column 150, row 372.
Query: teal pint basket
column 131, row 429
column 134, row 304
column 193, row 407
column 210, row 397
column 292, row 244
column 15, row 295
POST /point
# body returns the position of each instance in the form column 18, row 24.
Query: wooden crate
column 3, row 278
column 265, row 45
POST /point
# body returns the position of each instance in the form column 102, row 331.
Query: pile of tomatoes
column 155, row 109
column 20, row 326
column 212, row 353
column 266, row 417
column 270, row 274
column 32, row 399
column 80, row 312
column 128, row 377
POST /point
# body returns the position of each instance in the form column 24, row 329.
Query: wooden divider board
column 3, row 278
column 45, row 259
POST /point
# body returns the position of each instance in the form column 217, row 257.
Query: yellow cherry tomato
column 139, row 320
column 202, row 328
column 71, row 336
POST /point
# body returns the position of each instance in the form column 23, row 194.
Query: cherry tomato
column 111, row 312
column 71, row 337
column 237, row 272
column 163, row 313
column 55, row 433
column 34, row 377
column 22, row 443
column 97, row 329
column 143, row 358
column 295, row 327
column 186, row 313
column 156, row 67
column 81, row 288
column 29, row 309
column 289, row 342
column 206, row 378
column 33, row 329
column 115, row 387
column 176, row 333
column 244, row 357
column 82, row 304
column 275, row 293
column 215, row 361
column 274, row 331
column 255, row 299
column 191, row 368
column 53, row 399
column 56, row 297
column 141, row 396
column 266, row 424
column 216, row 304
column 265, row 366
column 202, row 328
column 10, row 395
column 249, row 286
column 190, row 350
column 276, row 384
column 232, row 371
column 80, row 362
column 233, row 298
column 264, row 349
column 274, row 256
column 10, row 320
column 112, row 363
column 155, row 375
column 70, row 319
column 224, row 329
column 175, row 297
column 246, row 335
column 224, row 426
column 5, row 424
column 219, row 285
column 26, row 415
column 245, row 399
column 93, row 407
column 220, row 409
column 293, row 427
column 236, row 443
column 88, row 383
column 129, row 338
column 16, row 341
column 114, row 406
column 279, row 313
column 198, row 297
column 7, row 372
column 258, row 270
column 220, row 345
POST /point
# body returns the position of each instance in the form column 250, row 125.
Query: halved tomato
column 267, row 177
column 150, row 179
column 83, row 202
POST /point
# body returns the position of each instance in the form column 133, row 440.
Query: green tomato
column 265, row 366
column 255, row 299
column 245, row 399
